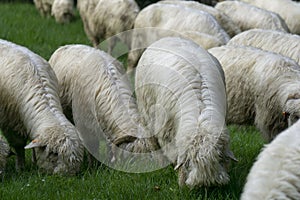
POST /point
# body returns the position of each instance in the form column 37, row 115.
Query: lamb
column 287, row 9
column 30, row 110
column 275, row 174
column 180, row 90
column 170, row 20
column 106, row 18
column 95, row 92
column 63, row 11
column 247, row 16
column 226, row 23
column 262, row 88
column 276, row 41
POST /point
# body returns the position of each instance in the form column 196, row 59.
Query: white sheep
column 30, row 110
column 276, row 41
column 180, row 90
column 44, row 7
column 171, row 20
column 63, row 11
column 276, row 174
column 103, row 19
column 227, row 24
column 247, row 16
column 261, row 86
column 287, row 9
column 97, row 94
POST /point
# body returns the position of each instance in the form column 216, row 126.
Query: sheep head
column 206, row 160
column 57, row 150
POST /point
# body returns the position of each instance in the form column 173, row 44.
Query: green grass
column 22, row 24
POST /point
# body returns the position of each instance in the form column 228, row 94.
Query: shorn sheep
column 247, row 16
column 261, row 86
column 30, row 110
column 276, row 41
column 180, row 89
column 171, row 20
column 97, row 94
column 276, row 174
column 226, row 23
column 287, row 9
column 103, row 19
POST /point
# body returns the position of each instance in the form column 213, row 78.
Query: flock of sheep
column 197, row 69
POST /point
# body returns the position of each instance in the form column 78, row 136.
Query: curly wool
column 30, row 109
column 286, row 44
column 185, row 108
column 287, row 9
column 261, row 86
column 275, row 174
column 247, row 16
column 160, row 20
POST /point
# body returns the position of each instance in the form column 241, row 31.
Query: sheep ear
column 232, row 157
column 32, row 144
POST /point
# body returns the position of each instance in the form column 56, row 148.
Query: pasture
column 22, row 24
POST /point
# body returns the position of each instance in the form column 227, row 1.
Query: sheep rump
column 177, row 99
column 261, row 86
column 30, row 109
column 286, row 44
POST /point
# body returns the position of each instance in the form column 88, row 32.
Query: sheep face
column 57, row 152
column 292, row 111
column 205, row 165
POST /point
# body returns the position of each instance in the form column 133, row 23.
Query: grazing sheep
column 276, row 41
column 96, row 93
column 180, row 89
column 106, row 18
column 170, row 20
column 44, row 7
column 63, row 11
column 248, row 17
column 30, row 109
column 287, row 9
column 227, row 24
column 4, row 153
column 276, row 174
column 261, row 86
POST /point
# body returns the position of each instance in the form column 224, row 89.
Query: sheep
column 227, row 24
column 103, row 19
column 248, row 17
column 287, row 9
column 170, row 20
column 261, row 86
column 30, row 110
column 276, row 41
column 180, row 91
column 63, row 11
column 95, row 92
column 44, row 7
column 4, row 153
column 275, row 174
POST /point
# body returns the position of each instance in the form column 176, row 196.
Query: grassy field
column 22, row 24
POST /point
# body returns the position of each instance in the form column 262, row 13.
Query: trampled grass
column 22, row 24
